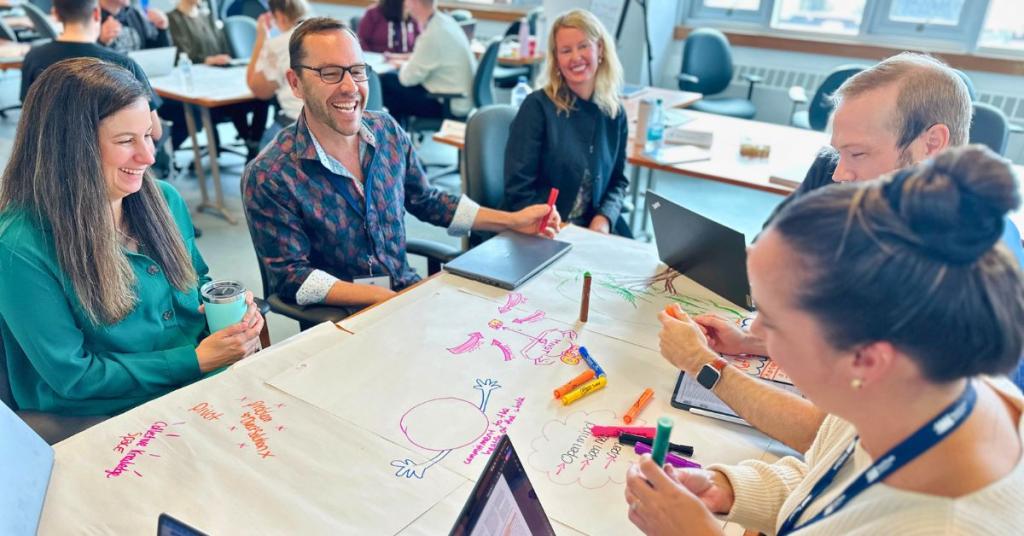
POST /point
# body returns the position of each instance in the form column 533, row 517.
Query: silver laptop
column 702, row 249
column 155, row 62
column 508, row 260
column 25, row 464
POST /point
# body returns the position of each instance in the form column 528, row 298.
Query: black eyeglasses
column 332, row 74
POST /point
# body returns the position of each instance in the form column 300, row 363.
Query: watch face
column 708, row 376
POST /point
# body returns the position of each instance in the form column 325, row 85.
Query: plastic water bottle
column 185, row 68
column 655, row 128
column 520, row 92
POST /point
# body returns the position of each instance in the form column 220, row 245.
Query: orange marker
column 671, row 310
column 646, row 397
column 575, row 382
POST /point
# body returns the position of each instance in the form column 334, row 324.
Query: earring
column 856, row 383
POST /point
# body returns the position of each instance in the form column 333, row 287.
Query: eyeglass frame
column 345, row 69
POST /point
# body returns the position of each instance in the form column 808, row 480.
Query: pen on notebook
column 552, row 197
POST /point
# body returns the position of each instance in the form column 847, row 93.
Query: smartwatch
column 711, row 373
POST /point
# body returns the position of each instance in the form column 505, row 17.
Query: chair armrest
column 753, row 79
column 798, row 95
column 1015, row 128
column 262, row 305
column 436, row 253
column 688, row 78
column 307, row 314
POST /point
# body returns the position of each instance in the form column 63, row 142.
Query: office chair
column 50, row 426
column 990, row 127
column 249, row 8
column 354, row 22
column 311, row 315
column 240, row 32
column 481, row 90
column 374, row 94
column 40, row 22
column 6, row 32
column 707, row 69
column 483, row 158
column 44, row 5
column 815, row 117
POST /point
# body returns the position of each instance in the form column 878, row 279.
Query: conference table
column 12, row 54
column 382, row 423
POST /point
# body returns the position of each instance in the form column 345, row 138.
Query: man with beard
column 327, row 198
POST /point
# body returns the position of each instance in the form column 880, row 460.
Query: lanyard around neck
column 906, row 451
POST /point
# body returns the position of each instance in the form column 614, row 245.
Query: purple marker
column 671, row 459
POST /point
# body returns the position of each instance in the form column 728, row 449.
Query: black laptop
column 503, row 501
column 702, row 249
column 509, row 259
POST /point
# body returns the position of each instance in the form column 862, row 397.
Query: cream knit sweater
column 767, row 493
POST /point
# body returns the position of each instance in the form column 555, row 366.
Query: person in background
column 440, row 62
column 125, row 28
column 265, row 74
column 81, row 27
column 196, row 35
column 385, row 28
column 571, row 134
column 327, row 200
column 902, row 351
column 905, row 109
column 99, row 299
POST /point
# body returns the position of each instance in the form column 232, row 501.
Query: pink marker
column 614, row 431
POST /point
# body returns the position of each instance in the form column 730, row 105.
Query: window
column 748, row 11
column 947, row 20
column 841, row 17
column 1004, row 26
column 927, row 12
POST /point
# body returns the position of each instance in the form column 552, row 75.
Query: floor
column 228, row 249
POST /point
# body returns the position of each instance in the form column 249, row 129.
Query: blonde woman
column 571, row 134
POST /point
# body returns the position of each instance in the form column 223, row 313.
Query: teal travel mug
column 225, row 303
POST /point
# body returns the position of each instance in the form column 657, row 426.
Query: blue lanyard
column 917, row 444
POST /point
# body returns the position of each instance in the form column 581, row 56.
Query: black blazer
column 548, row 149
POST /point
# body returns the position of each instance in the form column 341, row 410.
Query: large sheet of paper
column 629, row 287
column 448, row 374
column 231, row 455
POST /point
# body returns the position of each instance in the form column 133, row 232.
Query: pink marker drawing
column 475, row 340
column 511, row 301
column 467, row 422
column 505, row 350
column 537, row 316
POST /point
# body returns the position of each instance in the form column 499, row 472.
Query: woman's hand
column 263, row 25
column 601, row 224
column 675, row 502
column 727, row 338
column 232, row 343
column 682, row 342
column 527, row 220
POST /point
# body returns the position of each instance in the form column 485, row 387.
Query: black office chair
column 311, row 315
column 990, row 127
column 51, row 427
column 815, row 117
column 240, row 32
column 483, row 158
column 374, row 95
column 40, row 22
column 482, row 94
column 44, row 5
column 6, row 32
column 249, row 8
column 354, row 22
column 707, row 69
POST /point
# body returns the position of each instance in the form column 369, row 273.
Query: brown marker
column 585, row 303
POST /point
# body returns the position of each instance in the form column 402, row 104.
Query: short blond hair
column 930, row 93
column 609, row 70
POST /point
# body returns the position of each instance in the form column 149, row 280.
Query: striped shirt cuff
column 465, row 215
column 315, row 288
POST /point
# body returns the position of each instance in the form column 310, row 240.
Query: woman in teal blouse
column 99, row 301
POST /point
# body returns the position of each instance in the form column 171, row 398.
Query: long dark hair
column 55, row 175
column 915, row 259
column 393, row 10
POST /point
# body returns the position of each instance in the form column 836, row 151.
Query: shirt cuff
column 465, row 215
column 752, row 503
column 315, row 288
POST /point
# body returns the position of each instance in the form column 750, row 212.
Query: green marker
column 660, row 447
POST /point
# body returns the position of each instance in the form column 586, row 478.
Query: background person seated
column 265, row 74
column 572, row 133
column 126, row 28
column 99, row 299
column 385, row 28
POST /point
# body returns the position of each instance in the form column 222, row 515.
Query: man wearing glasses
column 327, row 198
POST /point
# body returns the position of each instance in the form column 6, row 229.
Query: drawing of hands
column 409, row 468
column 485, row 387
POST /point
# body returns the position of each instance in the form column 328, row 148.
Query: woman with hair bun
column 894, row 307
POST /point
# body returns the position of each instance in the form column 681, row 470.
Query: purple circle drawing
column 444, row 424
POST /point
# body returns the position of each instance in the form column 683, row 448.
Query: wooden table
column 326, row 472
column 12, row 54
column 212, row 87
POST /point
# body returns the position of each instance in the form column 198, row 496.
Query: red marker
column 614, row 431
column 552, row 197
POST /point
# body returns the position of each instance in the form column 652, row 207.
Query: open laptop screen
column 503, row 501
